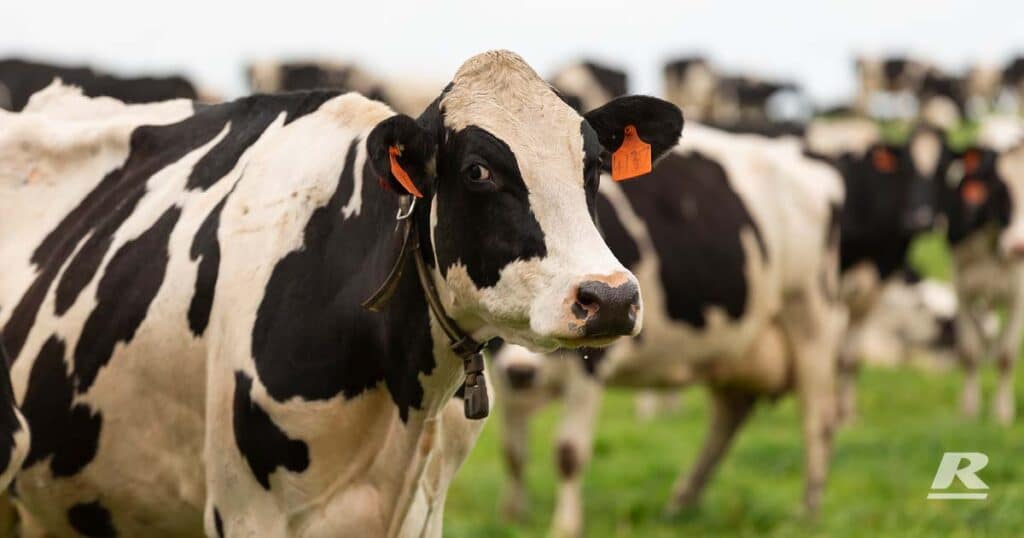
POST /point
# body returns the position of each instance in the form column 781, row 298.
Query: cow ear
column 637, row 130
column 402, row 154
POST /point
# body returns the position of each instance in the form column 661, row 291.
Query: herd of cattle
column 212, row 325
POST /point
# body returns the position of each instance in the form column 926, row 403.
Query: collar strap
column 469, row 350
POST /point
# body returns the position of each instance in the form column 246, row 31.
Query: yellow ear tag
column 402, row 177
column 633, row 158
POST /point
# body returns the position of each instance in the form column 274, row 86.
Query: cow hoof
column 1004, row 412
column 680, row 504
column 513, row 508
column 565, row 531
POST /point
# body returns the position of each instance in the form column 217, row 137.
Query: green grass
column 880, row 475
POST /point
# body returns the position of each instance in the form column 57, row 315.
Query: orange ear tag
column 883, row 160
column 633, row 158
column 402, row 177
column 974, row 192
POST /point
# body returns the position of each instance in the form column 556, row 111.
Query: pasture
column 882, row 469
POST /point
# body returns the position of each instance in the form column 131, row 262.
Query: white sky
column 811, row 41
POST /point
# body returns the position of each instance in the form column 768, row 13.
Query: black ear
column 402, row 153
column 657, row 122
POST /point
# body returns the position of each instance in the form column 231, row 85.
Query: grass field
column 881, row 472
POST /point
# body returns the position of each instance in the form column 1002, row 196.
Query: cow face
column 886, row 194
column 508, row 175
column 976, row 196
column 985, row 190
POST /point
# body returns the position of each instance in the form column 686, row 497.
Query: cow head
column 886, row 195
column 508, row 175
column 985, row 191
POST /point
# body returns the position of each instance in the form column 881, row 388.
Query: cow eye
column 479, row 176
column 479, row 172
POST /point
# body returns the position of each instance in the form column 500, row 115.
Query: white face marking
column 925, row 150
column 1010, row 168
column 498, row 92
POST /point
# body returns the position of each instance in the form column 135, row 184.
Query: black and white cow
column 728, row 185
column 20, row 79
column 755, row 317
column 406, row 96
column 983, row 202
column 890, row 201
column 690, row 83
column 588, row 85
column 182, row 295
column 888, row 86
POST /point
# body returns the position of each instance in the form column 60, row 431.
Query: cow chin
column 537, row 309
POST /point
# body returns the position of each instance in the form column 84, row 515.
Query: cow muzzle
column 606, row 307
column 520, row 377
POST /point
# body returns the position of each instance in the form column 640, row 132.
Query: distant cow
column 20, row 79
column 405, row 96
column 690, row 83
column 588, row 85
column 983, row 199
column 890, row 201
column 735, row 103
column 888, row 86
column 911, row 323
column 755, row 317
column 183, row 292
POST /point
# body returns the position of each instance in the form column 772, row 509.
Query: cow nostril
column 520, row 377
column 608, row 310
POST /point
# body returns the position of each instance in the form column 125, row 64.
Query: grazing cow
column 20, row 79
column 754, row 318
column 405, row 96
column 983, row 201
column 183, row 289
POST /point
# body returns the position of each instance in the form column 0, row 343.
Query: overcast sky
column 811, row 41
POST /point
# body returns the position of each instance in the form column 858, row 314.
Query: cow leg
column 515, row 440
column 572, row 454
column 653, row 402
column 812, row 327
column 846, row 380
column 1004, row 406
column 970, row 347
column 730, row 410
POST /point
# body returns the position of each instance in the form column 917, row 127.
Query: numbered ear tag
column 633, row 158
column 402, row 177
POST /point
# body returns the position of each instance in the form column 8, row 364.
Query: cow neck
column 476, row 404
